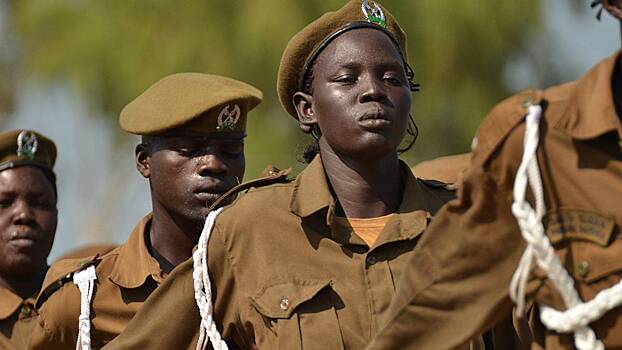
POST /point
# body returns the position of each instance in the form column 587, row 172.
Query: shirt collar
column 9, row 303
column 590, row 110
column 134, row 262
column 312, row 194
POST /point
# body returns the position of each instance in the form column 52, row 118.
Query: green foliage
column 114, row 49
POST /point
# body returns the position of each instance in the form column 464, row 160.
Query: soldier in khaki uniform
column 28, row 218
column 447, row 169
column 568, row 139
column 313, row 263
column 192, row 151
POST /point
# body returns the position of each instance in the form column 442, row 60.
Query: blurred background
column 69, row 66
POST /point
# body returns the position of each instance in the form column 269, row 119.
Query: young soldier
column 192, row 151
column 28, row 219
column 564, row 145
column 312, row 263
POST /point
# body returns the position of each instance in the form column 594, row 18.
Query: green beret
column 304, row 48
column 26, row 147
column 200, row 103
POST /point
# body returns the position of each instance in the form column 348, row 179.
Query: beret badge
column 374, row 14
column 228, row 119
column 27, row 144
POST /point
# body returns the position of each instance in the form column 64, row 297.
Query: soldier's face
column 188, row 173
column 28, row 218
column 361, row 96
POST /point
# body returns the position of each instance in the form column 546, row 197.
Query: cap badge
column 27, row 144
column 374, row 14
column 228, row 119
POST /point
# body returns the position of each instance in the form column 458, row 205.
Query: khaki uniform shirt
column 460, row 272
column 285, row 276
column 17, row 318
column 126, row 276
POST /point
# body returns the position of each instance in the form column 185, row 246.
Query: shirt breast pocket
column 301, row 313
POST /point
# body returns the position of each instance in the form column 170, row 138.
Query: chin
column 21, row 265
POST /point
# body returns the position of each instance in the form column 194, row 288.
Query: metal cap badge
column 228, row 119
column 27, row 144
column 374, row 14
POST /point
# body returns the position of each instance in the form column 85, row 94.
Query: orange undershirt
column 367, row 229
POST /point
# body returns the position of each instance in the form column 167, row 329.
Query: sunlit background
column 69, row 66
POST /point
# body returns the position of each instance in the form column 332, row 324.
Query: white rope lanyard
column 579, row 315
column 85, row 280
column 203, row 289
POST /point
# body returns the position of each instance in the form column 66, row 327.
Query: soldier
column 547, row 170
column 447, row 169
column 312, row 263
column 192, row 151
column 28, row 218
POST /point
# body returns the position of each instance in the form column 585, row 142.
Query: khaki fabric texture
column 459, row 275
column 126, row 276
column 306, row 42
column 17, row 318
column 194, row 102
column 446, row 169
column 45, row 155
column 289, row 278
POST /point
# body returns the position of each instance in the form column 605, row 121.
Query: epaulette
column 497, row 125
column 61, row 273
column 273, row 175
column 438, row 184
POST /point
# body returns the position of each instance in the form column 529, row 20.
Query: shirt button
column 583, row 268
column 371, row 260
column 25, row 311
column 284, row 304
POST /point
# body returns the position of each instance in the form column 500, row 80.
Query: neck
column 25, row 286
column 365, row 188
column 172, row 239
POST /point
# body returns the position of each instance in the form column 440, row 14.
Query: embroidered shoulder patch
column 567, row 224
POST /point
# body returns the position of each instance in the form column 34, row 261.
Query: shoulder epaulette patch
column 61, row 273
column 502, row 119
column 273, row 175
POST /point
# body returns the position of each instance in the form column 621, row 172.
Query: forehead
column 362, row 44
column 24, row 179
column 189, row 137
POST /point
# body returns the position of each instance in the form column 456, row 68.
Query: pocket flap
column 281, row 299
column 576, row 224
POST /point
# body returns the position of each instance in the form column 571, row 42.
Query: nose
column 373, row 90
column 23, row 213
column 211, row 164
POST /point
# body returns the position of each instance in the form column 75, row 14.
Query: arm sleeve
column 457, row 281
column 170, row 319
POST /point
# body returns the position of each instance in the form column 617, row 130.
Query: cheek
column 237, row 167
column 48, row 220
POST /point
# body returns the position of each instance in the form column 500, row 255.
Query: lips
column 211, row 193
column 374, row 119
column 23, row 239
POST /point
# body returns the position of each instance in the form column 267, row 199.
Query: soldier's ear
column 304, row 108
column 143, row 158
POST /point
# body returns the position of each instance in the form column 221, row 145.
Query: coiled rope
column 579, row 315
column 203, row 289
column 85, row 280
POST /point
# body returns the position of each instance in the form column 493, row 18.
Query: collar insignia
column 27, row 144
column 374, row 14
column 228, row 119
